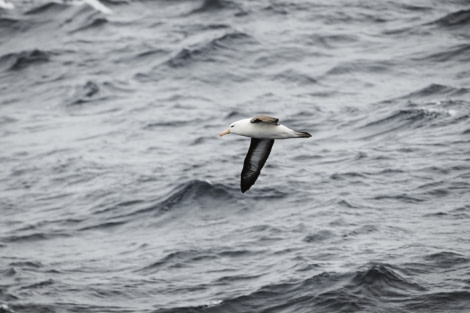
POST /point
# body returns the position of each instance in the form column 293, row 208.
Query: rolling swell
column 446, row 259
column 437, row 90
column 457, row 53
column 94, row 24
column 403, row 120
column 455, row 19
column 48, row 8
column 195, row 190
column 431, row 92
column 185, row 198
column 413, row 117
column 220, row 47
column 10, row 26
column 210, row 5
column 377, row 285
column 23, row 59
column 89, row 92
column 383, row 280
column 421, row 109
column 186, row 195
column 195, row 257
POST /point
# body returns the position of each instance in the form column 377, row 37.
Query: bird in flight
column 263, row 130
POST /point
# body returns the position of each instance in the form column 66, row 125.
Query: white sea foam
column 97, row 5
column 6, row 5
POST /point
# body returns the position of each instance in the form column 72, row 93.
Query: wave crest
column 227, row 43
column 23, row 59
column 382, row 279
column 459, row 18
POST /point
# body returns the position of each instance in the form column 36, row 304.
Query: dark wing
column 265, row 119
column 254, row 161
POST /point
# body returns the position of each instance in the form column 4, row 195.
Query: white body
column 261, row 130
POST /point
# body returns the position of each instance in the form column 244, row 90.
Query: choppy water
column 116, row 195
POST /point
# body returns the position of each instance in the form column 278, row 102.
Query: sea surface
column 117, row 195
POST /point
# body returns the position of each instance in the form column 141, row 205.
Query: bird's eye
column 231, row 126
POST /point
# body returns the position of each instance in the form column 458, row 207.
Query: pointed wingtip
column 244, row 188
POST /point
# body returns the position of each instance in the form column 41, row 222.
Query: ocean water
column 117, row 195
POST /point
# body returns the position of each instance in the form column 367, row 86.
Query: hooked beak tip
column 225, row 132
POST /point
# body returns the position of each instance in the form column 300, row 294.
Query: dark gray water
column 116, row 194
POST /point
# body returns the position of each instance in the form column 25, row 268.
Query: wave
column 94, row 24
column 326, row 292
column 97, row 5
column 92, row 91
column 383, row 279
column 37, row 236
column 71, row 17
column 40, row 284
column 188, row 258
column 445, row 301
column 11, row 25
column 178, row 259
column 414, row 7
column 403, row 119
column 454, row 19
column 215, row 5
column 6, row 5
column 49, row 8
column 405, row 198
column 53, row 7
column 190, row 192
column 20, row 60
column 27, row 264
column 103, row 225
column 207, row 52
column 211, row 5
column 332, row 41
column 194, row 193
column 406, row 116
column 446, row 259
column 86, row 93
column 151, row 53
column 267, row 298
column 456, row 214
column 194, row 190
column 456, row 53
column 419, row 112
column 436, row 90
column 362, row 230
column 172, row 123
column 5, row 308
column 293, row 76
column 321, row 235
column 347, row 176
column 28, row 307
column 187, row 196
column 4, row 120
column 361, row 66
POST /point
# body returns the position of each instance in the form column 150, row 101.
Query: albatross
column 262, row 130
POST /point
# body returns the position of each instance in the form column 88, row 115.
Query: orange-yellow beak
column 225, row 132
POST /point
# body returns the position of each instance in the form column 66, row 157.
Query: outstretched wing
column 265, row 119
column 254, row 161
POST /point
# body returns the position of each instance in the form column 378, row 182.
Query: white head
column 237, row 128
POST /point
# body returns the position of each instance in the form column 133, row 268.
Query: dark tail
column 302, row 134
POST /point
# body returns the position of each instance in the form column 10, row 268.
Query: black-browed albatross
column 262, row 130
